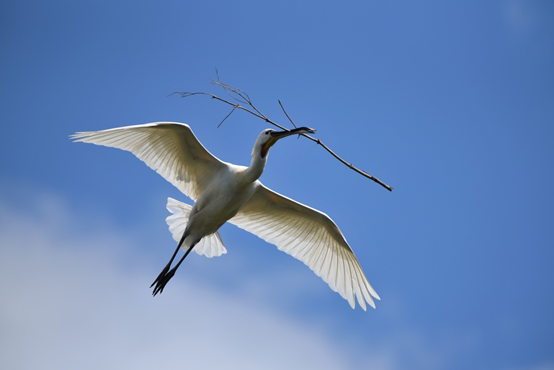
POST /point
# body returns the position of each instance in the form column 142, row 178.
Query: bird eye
column 267, row 132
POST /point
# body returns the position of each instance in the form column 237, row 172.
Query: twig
column 286, row 114
column 227, row 116
column 243, row 98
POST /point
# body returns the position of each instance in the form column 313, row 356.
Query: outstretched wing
column 169, row 148
column 310, row 236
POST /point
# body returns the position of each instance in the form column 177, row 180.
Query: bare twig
column 286, row 114
column 227, row 116
column 244, row 101
column 243, row 97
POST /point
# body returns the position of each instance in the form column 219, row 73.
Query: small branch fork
column 244, row 103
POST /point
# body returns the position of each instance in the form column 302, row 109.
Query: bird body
column 222, row 199
column 225, row 192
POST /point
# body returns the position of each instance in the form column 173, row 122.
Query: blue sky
column 449, row 103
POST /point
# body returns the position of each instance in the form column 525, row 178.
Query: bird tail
column 210, row 246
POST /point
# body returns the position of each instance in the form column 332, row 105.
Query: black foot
column 161, row 281
column 162, row 274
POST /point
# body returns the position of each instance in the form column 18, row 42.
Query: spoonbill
column 224, row 192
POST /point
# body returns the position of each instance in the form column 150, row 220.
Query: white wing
column 310, row 236
column 169, row 148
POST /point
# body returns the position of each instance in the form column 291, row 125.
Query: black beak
column 296, row 131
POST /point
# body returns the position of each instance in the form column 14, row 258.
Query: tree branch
column 245, row 104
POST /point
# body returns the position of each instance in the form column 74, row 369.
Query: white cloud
column 76, row 298
column 68, row 303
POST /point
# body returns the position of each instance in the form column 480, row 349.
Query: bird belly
column 215, row 206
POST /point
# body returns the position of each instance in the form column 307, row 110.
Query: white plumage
column 224, row 192
column 209, row 246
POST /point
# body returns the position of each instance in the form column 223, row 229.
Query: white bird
column 224, row 192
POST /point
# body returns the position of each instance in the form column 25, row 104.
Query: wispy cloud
column 71, row 305
column 69, row 302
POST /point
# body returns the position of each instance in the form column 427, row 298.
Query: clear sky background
column 451, row 103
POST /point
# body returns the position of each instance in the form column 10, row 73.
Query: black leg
column 166, row 268
column 161, row 282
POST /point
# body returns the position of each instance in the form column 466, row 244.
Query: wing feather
column 310, row 236
column 210, row 245
column 169, row 148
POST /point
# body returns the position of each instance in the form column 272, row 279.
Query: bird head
column 269, row 137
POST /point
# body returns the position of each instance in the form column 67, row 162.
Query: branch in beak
column 281, row 134
column 297, row 131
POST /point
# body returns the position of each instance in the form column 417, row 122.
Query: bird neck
column 256, row 168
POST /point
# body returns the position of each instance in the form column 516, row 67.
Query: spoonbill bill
column 224, row 192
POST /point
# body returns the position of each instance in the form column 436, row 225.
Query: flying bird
column 224, row 192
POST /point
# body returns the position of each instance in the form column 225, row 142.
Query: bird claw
column 161, row 281
column 161, row 275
